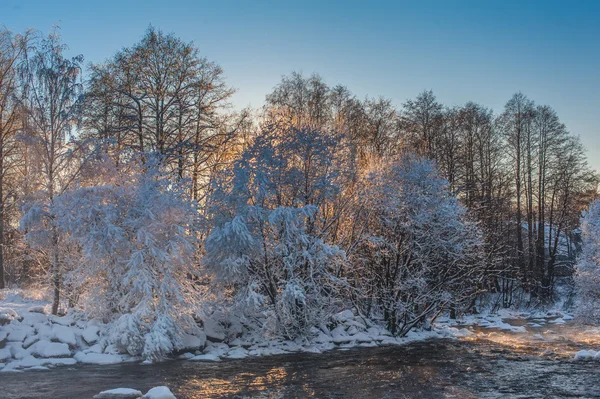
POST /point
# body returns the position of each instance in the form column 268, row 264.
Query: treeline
column 317, row 201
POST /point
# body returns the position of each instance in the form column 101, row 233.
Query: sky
column 482, row 51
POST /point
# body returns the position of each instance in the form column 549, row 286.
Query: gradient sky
column 482, row 50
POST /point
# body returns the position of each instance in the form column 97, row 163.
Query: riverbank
column 30, row 339
column 488, row 363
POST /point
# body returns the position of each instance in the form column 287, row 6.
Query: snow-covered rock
column 159, row 393
column 36, row 309
column 90, row 334
column 19, row 333
column 193, row 342
column 64, row 334
column 63, row 321
column 5, row 354
column 214, row 330
column 361, row 337
column 339, row 335
column 237, row 353
column 208, row 357
column 344, row 315
column 98, row 358
column 7, row 316
column 34, row 319
column 45, row 348
column 585, row 355
column 119, row 393
column 30, row 340
column 96, row 348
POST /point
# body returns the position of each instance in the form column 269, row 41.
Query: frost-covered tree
column 417, row 252
column 51, row 89
column 588, row 267
column 267, row 238
column 138, row 237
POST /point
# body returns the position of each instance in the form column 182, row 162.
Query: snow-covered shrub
column 266, row 242
column 138, row 238
column 588, row 267
column 417, row 252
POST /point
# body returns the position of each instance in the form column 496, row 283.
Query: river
column 489, row 363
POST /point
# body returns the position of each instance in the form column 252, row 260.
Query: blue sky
column 482, row 51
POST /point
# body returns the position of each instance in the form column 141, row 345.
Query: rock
column 209, row 357
column 98, row 358
column 7, row 316
column 90, row 334
column 119, row 393
column 111, row 349
column 36, row 309
column 30, row 340
column 585, row 355
column 159, row 393
column 5, row 354
column 234, row 327
column 63, row 321
column 214, row 330
column 34, row 319
column 64, row 334
column 237, row 353
column 96, row 348
column 193, row 342
column 19, row 334
column 345, row 315
column 45, row 348
column 361, row 337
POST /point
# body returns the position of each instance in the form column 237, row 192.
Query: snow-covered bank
column 30, row 339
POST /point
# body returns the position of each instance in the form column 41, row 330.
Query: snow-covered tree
column 265, row 241
column 139, row 244
column 417, row 252
column 51, row 90
column 588, row 266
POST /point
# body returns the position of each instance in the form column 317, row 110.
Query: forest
column 136, row 194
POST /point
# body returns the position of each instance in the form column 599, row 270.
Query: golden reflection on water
column 240, row 384
column 555, row 340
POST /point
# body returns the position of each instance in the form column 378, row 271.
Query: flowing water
column 488, row 364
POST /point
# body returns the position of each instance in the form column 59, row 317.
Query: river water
column 489, row 363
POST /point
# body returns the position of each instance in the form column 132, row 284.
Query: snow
column 237, row 353
column 90, row 334
column 64, row 334
column 190, row 342
column 98, row 358
column 206, row 357
column 119, row 393
column 161, row 392
column 585, row 355
column 45, row 348
column 214, row 330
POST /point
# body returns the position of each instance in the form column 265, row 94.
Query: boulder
column 159, row 393
column 7, row 316
column 193, row 342
column 36, row 309
column 119, row 393
column 214, row 330
column 64, row 334
column 45, row 348
column 90, row 334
